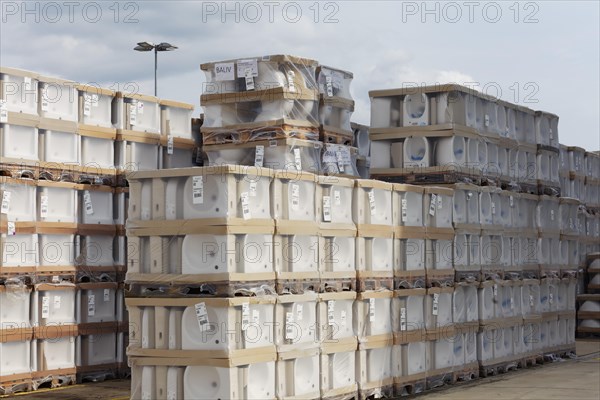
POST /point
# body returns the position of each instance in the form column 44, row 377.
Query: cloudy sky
column 541, row 54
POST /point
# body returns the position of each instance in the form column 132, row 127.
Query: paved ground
column 574, row 379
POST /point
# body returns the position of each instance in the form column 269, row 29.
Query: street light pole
column 148, row 46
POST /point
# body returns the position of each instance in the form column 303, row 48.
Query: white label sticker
column 27, row 81
column 57, row 301
column 202, row 316
column 487, row 120
column 295, row 196
column 249, row 80
column 3, row 111
column 245, row 315
column 337, row 197
column 551, row 215
column 91, row 305
column 432, row 204
column 436, row 301
column 512, row 303
column 45, row 306
column 371, row 310
column 259, row 156
column 440, row 202
column 299, row 312
column 329, row 86
column 198, row 190
column 45, row 104
column 326, row 208
column 87, row 104
column 550, row 298
column 132, row 114
column 87, row 202
column 402, row 319
column 495, row 290
column 224, row 72
column 252, row 188
column 5, row 202
column 244, row 198
column 140, row 107
column 247, row 65
column 297, row 159
column 530, row 300
column 169, row 144
column 43, row 206
column 340, row 161
column 404, row 210
column 331, row 312
column 493, row 208
column 106, row 295
column 11, row 228
column 343, row 318
column 255, row 317
column 511, row 201
column 95, row 100
column 371, row 195
column 289, row 319
column 290, row 78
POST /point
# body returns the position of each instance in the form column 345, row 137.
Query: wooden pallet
column 440, row 278
column 242, row 134
column 15, row 384
column 26, row 278
column 297, row 286
column 343, row 396
column 381, row 392
column 336, row 137
column 547, row 189
column 57, row 172
column 410, row 387
column 206, row 289
column 529, row 188
column 437, row 380
column 559, row 354
column 514, row 275
column 415, row 279
column 467, row 373
column 531, row 273
column 491, row 274
column 365, row 282
column 486, row 370
column 467, row 276
column 337, row 284
column 568, row 273
column 427, row 176
column 54, row 379
column 97, row 373
column 531, row 361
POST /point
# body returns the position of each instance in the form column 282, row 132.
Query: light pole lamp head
column 165, row 47
column 144, row 46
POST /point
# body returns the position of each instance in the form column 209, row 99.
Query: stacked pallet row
column 63, row 216
column 281, row 112
column 579, row 171
column 511, row 232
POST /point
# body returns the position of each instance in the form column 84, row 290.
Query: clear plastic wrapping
column 279, row 154
column 334, row 82
column 335, row 116
column 260, row 73
column 202, row 327
column 338, row 159
column 248, row 120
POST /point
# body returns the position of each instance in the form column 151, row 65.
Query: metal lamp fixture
column 148, row 46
